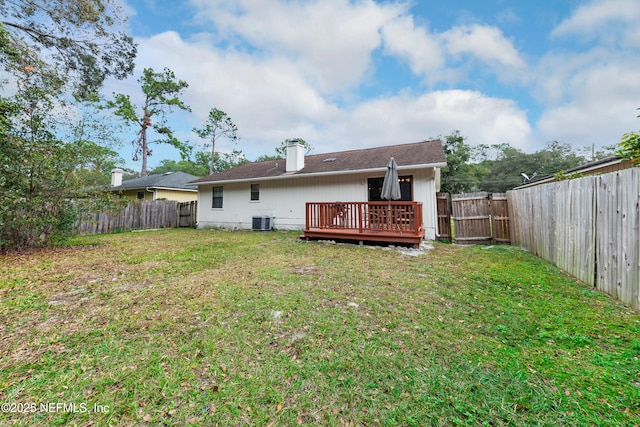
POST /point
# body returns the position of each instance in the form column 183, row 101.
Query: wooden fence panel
column 516, row 223
column 574, row 228
column 588, row 227
column 542, row 209
column 137, row 215
column 618, row 240
column 556, row 222
column 608, row 226
column 471, row 218
column 443, row 201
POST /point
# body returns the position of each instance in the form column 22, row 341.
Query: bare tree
column 218, row 125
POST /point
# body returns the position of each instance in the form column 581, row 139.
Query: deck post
column 308, row 216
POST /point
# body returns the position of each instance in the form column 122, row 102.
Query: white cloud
column 235, row 80
column 604, row 19
column 413, row 44
column 294, row 69
column 409, row 118
column 598, row 108
column 485, row 43
column 271, row 99
column 331, row 40
column 588, row 94
column 437, row 56
column 267, row 98
column 557, row 74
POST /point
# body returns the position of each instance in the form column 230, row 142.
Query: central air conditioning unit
column 262, row 223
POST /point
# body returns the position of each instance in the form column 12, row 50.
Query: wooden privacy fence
column 139, row 215
column 556, row 222
column 478, row 218
column 588, row 227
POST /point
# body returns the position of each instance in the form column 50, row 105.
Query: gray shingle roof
column 172, row 180
column 425, row 153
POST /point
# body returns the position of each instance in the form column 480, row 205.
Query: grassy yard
column 195, row 327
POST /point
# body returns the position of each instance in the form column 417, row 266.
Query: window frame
column 217, row 198
column 255, row 193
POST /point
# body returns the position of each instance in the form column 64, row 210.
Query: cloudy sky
column 354, row 74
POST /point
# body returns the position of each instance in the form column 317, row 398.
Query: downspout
column 155, row 195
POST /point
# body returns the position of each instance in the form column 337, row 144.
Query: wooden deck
column 392, row 222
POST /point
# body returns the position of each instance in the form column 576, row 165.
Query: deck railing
column 366, row 217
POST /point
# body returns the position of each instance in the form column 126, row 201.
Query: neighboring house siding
column 178, row 196
column 614, row 165
column 168, row 186
column 613, row 168
column 133, row 194
column 285, row 199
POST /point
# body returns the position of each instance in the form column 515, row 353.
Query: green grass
column 205, row 327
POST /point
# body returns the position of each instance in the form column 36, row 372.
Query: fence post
column 443, row 201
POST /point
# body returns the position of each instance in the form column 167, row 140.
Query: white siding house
column 280, row 189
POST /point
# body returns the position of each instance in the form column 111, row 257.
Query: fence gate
column 187, row 214
column 443, row 201
column 471, row 218
column 480, row 218
column 500, row 218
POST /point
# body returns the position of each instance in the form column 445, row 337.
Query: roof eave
column 173, row 189
column 152, row 188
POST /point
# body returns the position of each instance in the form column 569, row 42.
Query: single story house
column 166, row 186
column 279, row 189
column 597, row 167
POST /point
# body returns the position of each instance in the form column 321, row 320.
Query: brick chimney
column 295, row 157
column 116, row 177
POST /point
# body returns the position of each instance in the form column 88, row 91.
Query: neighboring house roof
column 587, row 168
column 416, row 155
column 165, row 181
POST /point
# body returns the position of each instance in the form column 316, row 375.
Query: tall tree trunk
column 144, row 147
column 213, row 154
column 143, row 170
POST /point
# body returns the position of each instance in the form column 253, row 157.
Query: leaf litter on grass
column 211, row 327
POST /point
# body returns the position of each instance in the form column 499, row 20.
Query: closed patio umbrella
column 390, row 185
